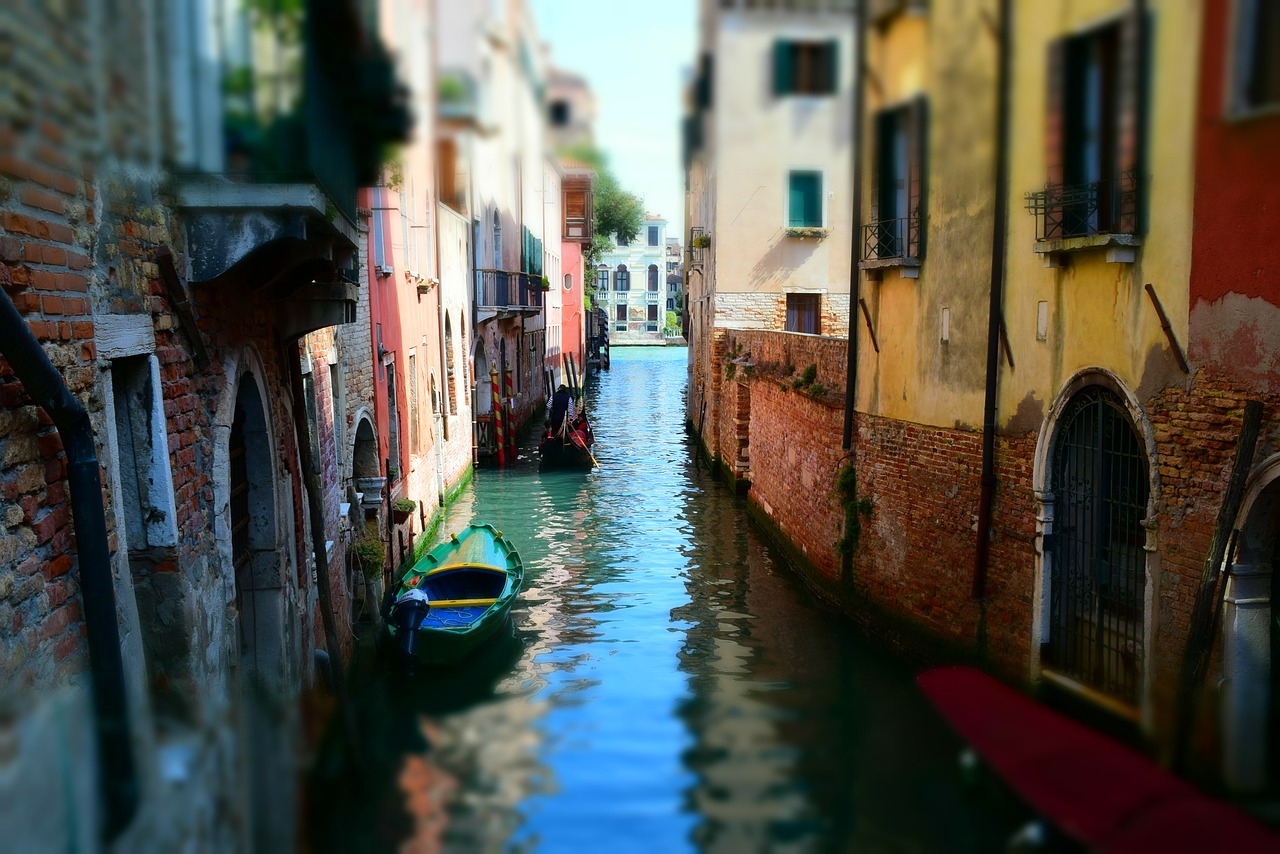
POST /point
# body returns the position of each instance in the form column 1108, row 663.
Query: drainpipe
column 995, row 312
column 117, row 774
column 851, row 371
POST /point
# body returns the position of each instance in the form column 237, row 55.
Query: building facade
column 630, row 285
column 178, row 249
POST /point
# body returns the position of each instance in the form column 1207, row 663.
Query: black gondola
column 570, row 448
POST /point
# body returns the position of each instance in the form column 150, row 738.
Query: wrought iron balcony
column 503, row 290
column 1084, row 210
column 892, row 239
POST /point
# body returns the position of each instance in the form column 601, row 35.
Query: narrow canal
column 668, row 684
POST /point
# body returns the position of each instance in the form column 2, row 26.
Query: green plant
column 368, row 546
column 546, row 283
column 807, row 376
column 855, row 509
column 405, row 505
column 730, row 368
column 817, row 389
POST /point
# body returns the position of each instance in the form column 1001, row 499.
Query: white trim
column 823, row 193
column 1045, row 517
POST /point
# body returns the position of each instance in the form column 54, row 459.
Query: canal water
column 667, row 685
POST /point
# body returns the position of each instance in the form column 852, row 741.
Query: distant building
column 675, row 279
column 630, row 284
column 571, row 110
column 768, row 157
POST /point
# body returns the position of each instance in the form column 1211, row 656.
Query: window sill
column 1122, row 248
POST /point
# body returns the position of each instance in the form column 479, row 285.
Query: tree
column 616, row 211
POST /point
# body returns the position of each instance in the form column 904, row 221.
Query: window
column 313, row 426
column 804, row 200
column 414, row 447
column 497, row 240
column 805, row 68
column 653, row 278
column 559, row 113
column 620, row 313
column 379, row 235
column 568, row 281
column 622, row 279
column 1093, row 134
column 897, row 190
column 575, row 213
column 804, row 313
column 393, row 425
column 653, row 313
column 602, row 278
column 1097, row 559
column 143, row 450
column 653, row 235
column 1257, row 55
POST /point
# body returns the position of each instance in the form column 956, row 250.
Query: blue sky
column 634, row 56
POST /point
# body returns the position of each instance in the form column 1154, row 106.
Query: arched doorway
column 1097, row 474
column 259, row 596
column 1251, row 641
column 364, row 455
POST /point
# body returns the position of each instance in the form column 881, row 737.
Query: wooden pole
column 315, row 508
column 498, row 438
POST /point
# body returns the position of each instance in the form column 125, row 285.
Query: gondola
column 456, row 597
column 570, row 448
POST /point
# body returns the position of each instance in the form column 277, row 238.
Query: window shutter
column 782, row 82
column 795, row 200
column 833, row 66
column 917, row 166
column 813, row 201
column 878, row 157
column 1055, row 103
column 1129, row 141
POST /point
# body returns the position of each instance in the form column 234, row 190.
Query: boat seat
column 459, row 603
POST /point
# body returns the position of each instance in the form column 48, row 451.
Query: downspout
column 434, row 93
column 117, row 774
column 851, row 371
column 995, row 312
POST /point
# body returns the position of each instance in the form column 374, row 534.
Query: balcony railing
column 891, row 239
column 505, row 290
column 1083, row 210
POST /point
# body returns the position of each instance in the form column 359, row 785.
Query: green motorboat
column 456, row 597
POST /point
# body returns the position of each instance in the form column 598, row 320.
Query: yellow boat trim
column 451, row 566
column 458, row 603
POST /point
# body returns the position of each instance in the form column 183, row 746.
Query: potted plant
column 368, row 547
column 402, row 507
column 702, row 241
column 546, row 283
column 804, row 231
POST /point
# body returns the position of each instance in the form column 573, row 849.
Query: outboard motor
column 407, row 615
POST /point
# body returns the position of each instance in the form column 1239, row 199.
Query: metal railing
column 504, row 289
column 889, row 239
column 1108, row 206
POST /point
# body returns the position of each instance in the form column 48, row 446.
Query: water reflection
column 667, row 685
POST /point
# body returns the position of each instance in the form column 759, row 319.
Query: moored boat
column 456, row 597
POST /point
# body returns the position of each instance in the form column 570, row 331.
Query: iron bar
column 1168, row 330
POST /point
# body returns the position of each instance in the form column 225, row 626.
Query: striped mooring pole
column 498, row 437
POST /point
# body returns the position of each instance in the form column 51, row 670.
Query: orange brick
column 37, row 198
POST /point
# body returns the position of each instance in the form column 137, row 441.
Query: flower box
column 804, row 232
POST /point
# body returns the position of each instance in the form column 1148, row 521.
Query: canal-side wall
column 779, row 434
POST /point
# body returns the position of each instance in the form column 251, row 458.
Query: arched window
column 451, row 380
column 622, row 279
column 497, row 239
column 602, row 278
column 653, row 277
column 1100, row 486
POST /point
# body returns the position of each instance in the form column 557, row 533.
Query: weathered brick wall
column 1196, row 432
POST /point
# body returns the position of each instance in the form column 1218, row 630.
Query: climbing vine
column 855, row 509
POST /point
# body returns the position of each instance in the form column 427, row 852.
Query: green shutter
column 833, row 66
column 781, row 67
column 804, row 200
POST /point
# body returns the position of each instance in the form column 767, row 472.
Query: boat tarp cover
column 1097, row 791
